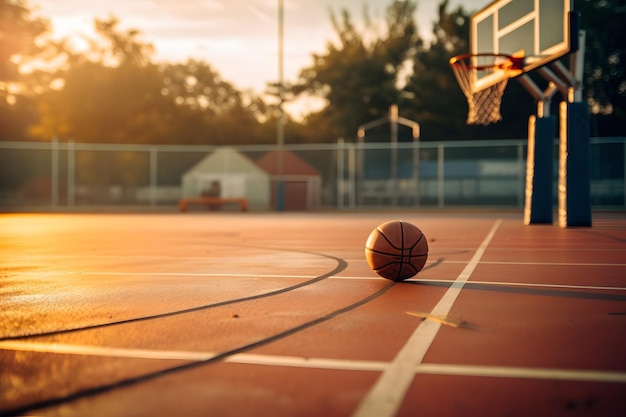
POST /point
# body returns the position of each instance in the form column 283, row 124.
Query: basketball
column 396, row 250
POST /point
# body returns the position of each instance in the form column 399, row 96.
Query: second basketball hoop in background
column 396, row 250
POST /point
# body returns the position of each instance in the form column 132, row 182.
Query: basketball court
column 279, row 314
column 237, row 314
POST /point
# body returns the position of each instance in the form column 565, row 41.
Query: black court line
column 341, row 265
column 88, row 392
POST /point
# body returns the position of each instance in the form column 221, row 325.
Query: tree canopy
column 431, row 94
column 361, row 74
column 19, row 30
column 115, row 92
column 605, row 62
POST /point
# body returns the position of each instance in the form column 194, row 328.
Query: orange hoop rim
column 513, row 63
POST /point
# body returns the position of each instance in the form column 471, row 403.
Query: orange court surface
column 278, row 314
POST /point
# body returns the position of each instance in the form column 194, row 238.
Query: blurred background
column 141, row 103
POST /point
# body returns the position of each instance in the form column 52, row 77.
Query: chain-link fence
column 65, row 175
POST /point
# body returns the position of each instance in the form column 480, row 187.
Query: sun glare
column 76, row 29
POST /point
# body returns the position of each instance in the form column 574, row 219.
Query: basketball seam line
column 402, row 230
column 401, row 268
column 404, row 259
column 394, row 254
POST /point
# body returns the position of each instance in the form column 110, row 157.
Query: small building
column 231, row 174
column 302, row 183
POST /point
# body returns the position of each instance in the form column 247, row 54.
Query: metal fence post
column 71, row 176
column 352, row 176
column 54, row 174
column 340, row 173
column 153, row 175
column 440, row 175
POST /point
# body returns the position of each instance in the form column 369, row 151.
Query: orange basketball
column 396, row 250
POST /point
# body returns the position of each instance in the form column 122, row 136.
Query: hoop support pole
column 563, row 87
column 538, row 201
column 577, row 64
column 543, row 97
column 539, row 171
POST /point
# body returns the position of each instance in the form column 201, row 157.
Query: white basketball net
column 484, row 104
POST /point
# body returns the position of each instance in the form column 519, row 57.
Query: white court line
column 542, row 263
column 434, row 368
column 244, row 358
column 300, row 362
column 321, row 363
column 252, row 275
column 87, row 350
column 169, row 274
column 389, row 390
column 357, row 278
column 522, row 373
column 526, row 284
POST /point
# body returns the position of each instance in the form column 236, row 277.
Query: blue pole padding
column 574, row 165
column 539, row 170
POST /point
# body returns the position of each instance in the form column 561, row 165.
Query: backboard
column 540, row 30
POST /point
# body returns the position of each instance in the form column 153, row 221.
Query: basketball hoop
column 494, row 71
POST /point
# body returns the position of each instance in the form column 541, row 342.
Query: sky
column 238, row 38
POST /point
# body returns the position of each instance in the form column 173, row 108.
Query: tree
column 111, row 93
column 434, row 98
column 114, row 93
column 604, row 82
column 212, row 110
column 361, row 75
column 20, row 32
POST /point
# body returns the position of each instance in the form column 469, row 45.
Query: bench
column 211, row 202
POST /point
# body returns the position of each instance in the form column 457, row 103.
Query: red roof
column 292, row 164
